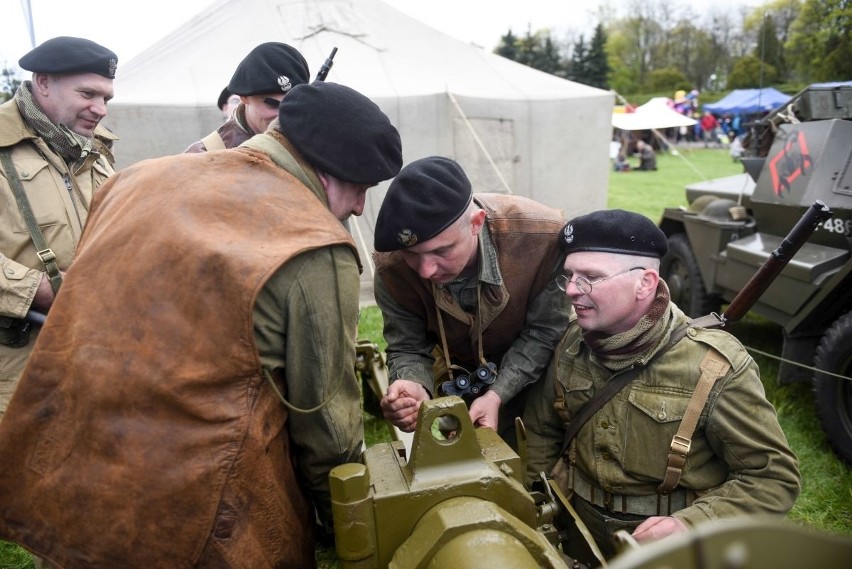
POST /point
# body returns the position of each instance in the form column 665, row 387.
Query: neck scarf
column 621, row 351
column 72, row 147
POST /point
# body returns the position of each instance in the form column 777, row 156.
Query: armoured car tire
column 832, row 395
column 680, row 270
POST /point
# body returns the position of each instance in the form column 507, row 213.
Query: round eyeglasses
column 584, row 285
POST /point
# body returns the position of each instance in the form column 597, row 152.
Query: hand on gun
column 402, row 402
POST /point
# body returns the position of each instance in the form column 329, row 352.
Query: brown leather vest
column 525, row 234
column 142, row 433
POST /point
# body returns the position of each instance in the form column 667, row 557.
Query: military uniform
column 59, row 195
column 522, row 312
column 197, row 400
column 231, row 134
column 738, row 463
column 271, row 67
column 224, row 464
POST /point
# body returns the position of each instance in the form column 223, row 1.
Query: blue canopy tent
column 748, row 101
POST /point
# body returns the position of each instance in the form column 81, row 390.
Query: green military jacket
column 739, row 461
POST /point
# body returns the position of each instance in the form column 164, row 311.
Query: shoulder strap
column 713, row 366
column 213, row 141
column 613, row 386
column 46, row 255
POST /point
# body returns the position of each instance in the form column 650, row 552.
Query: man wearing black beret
column 198, row 379
column 53, row 155
column 678, row 430
column 261, row 81
column 465, row 280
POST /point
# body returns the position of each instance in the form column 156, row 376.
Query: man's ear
column 477, row 220
column 648, row 284
column 40, row 81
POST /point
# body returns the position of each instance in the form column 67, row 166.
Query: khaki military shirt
column 59, row 198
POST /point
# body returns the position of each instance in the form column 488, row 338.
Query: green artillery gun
column 459, row 502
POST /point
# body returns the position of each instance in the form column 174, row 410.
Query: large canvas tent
column 748, row 101
column 513, row 129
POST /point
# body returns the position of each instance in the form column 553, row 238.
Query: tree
column 508, row 46
column 769, row 48
column 746, row 73
column 8, row 85
column 668, row 79
column 577, row 64
column 537, row 50
column 597, row 66
column 819, row 48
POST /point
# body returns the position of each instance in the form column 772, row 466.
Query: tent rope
column 479, row 143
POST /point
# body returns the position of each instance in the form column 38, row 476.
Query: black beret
column 70, row 55
column 614, row 231
column 341, row 132
column 271, row 67
column 425, row 198
column 223, row 98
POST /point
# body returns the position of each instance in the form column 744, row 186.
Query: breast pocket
column 653, row 418
column 44, row 197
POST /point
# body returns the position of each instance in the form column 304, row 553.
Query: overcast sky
column 129, row 26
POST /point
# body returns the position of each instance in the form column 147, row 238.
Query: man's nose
column 426, row 269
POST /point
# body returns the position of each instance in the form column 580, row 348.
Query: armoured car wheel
column 833, row 395
column 680, row 270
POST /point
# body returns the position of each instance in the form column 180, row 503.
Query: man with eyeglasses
column 262, row 80
column 649, row 424
column 465, row 280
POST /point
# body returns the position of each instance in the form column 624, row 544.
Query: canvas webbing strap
column 712, row 367
column 213, row 141
column 47, row 257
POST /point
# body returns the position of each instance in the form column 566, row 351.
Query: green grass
column 649, row 193
column 826, row 500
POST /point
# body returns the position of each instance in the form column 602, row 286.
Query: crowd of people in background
column 711, row 130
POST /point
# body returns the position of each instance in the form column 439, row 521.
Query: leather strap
column 48, row 258
column 712, row 367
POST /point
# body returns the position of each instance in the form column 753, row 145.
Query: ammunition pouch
column 14, row 332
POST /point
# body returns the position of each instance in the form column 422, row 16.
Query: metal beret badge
column 406, row 238
column 568, row 233
column 284, row 83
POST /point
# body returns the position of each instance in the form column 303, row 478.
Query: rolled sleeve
column 18, row 286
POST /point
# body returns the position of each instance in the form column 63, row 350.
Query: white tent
column 654, row 114
column 513, row 129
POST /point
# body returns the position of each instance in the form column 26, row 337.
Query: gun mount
column 459, row 501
